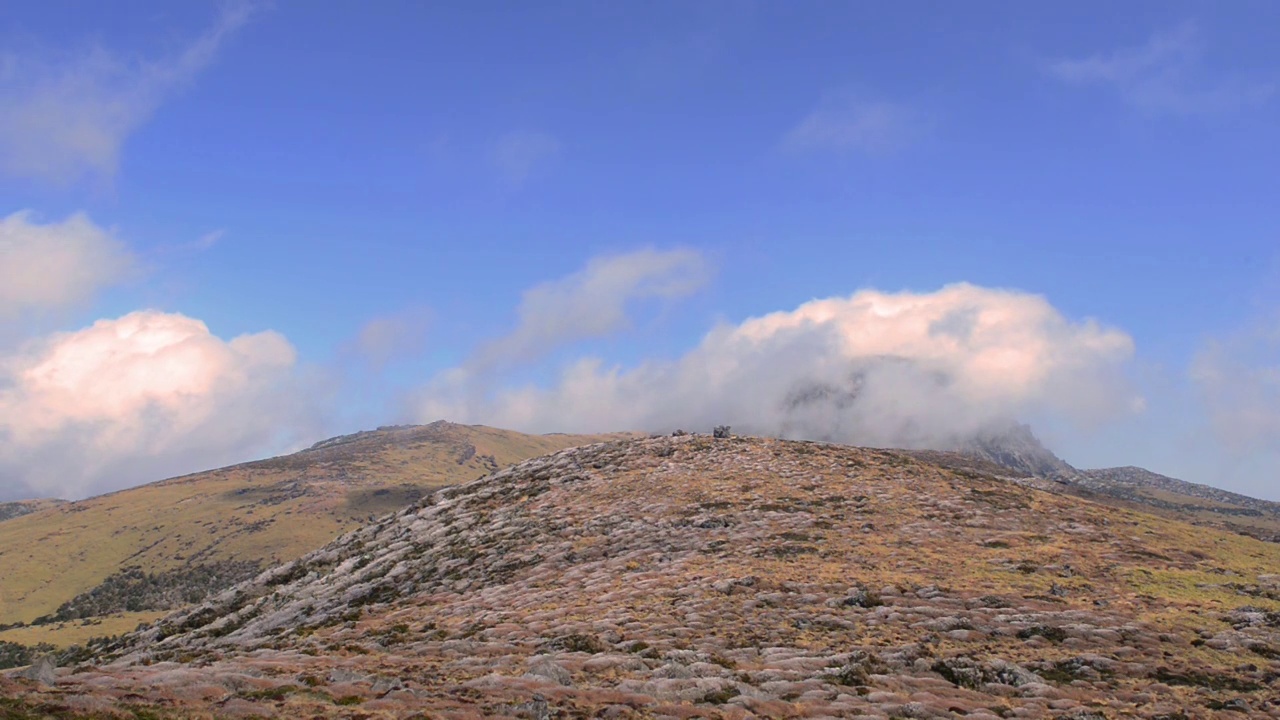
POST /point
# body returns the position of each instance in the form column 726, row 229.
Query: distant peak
column 1015, row 446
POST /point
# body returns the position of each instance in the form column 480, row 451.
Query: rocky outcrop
column 1017, row 449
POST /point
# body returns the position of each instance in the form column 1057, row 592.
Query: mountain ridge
column 1019, row 453
column 1134, row 476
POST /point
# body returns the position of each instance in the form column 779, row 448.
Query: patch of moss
column 1048, row 632
column 275, row 693
column 1206, row 680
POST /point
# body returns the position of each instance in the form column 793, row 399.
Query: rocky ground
column 694, row 577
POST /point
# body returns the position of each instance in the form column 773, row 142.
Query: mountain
column 1016, row 448
column 67, row 567
column 718, row 578
column 1187, row 501
column 1150, row 484
column 1014, row 452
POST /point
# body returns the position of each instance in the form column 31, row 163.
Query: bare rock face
column 724, row 577
column 1017, row 449
column 42, row 672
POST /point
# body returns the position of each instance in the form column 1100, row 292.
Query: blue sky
column 384, row 189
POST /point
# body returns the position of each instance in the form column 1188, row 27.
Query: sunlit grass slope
column 267, row 511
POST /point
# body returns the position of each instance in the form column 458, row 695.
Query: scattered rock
column 550, row 671
column 43, row 671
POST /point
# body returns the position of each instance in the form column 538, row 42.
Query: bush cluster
column 134, row 590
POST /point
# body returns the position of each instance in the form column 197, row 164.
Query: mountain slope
column 151, row 543
column 1016, row 448
column 692, row 577
column 1191, row 502
column 1141, row 480
column 18, row 508
column 1015, row 452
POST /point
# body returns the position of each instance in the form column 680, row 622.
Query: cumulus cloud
column 849, row 124
column 593, row 302
column 890, row 369
column 57, row 264
column 137, row 398
column 1239, row 381
column 62, row 119
column 517, row 155
column 1165, row 74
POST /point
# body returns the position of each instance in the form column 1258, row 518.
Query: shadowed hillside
column 724, row 578
column 18, row 508
column 158, row 546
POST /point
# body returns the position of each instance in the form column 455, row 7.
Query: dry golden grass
column 77, row 632
column 269, row 511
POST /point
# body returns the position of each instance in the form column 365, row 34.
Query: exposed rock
column 593, row 579
column 551, row 671
column 43, row 671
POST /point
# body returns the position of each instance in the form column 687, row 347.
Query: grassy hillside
column 261, row 512
column 731, row 578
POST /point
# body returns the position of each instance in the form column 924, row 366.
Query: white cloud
column 1239, row 381
column 593, row 302
column 138, row 398
column 848, row 124
column 1164, row 75
column 389, row 337
column 517, row 155
column 64, row 119
column 898, row 369
column 55, row 265
column 207, row 240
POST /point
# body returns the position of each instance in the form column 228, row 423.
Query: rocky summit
column 694, row 576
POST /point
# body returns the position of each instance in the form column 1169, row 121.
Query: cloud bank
column 62, row 119
column 891, row 369
column 55, row 265
column 139, row 398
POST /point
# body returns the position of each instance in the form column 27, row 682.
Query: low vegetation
column 643, row 579
column 135, row 590
column 17, row 655
column 133, row 548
